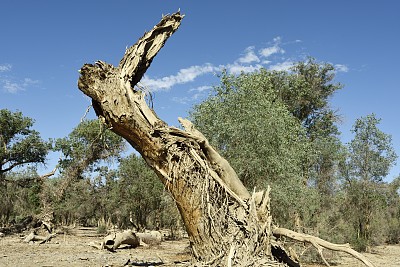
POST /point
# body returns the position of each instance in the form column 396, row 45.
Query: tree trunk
column 226, row 224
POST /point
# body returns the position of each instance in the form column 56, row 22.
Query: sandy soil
column 73, row 250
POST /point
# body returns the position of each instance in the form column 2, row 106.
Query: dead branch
column 115, row 240
column 319, row 243
column 144, row 263
column 32, row 237
column 47, row 175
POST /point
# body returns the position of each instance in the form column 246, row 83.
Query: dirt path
column 71, row 250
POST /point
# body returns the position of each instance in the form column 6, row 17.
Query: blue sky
column 43, row 44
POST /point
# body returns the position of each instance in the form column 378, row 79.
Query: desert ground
column 72, row 249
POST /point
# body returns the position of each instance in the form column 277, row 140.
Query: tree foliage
column 370, row 157
column 138, row 183
column 19, row 143
column 89, row 143
column 276, row 128
column 371, row 151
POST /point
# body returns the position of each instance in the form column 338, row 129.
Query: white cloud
column 341, row 68
column 277, row 40
column 250, row 60
column 200, row 92
column 183, row 76
column 249, row 56
column 28, row 81
column 14, row 87
column 201, row 88
column 5, row 67
column 236, row 68
column 269, row 51
column 282, row 66
column 188, row 100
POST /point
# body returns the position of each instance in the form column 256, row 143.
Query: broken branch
column 318, row 243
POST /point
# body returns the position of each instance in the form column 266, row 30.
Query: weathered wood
column 216, row 208
column 32, row 237
column 115, row 240
column 319, row 243
column 150, row 238
column 226, row 225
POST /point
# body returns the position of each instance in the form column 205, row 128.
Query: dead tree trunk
column 226, row 224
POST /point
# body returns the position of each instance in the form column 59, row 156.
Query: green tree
column 141, row 192
column 20, row 195
column 19, row 143
column 393, row 211
column 85, row 151
column 306, row 95
column 20, row 147
column 370, row 157
column 89, row 144
column 308, row 90
column 276, row 128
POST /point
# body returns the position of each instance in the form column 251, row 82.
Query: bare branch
column 318, row 243
column 138, row 57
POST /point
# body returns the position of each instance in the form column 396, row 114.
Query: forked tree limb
column 138, row 57
column 226, row 172
column 318, row 243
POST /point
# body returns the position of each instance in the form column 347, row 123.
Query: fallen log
column 113, row 241
column 32, row 237
column 150, row 238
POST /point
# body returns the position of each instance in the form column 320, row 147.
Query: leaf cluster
column 90, row 142
column 19, row 143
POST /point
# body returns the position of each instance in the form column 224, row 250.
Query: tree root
column 319, row 244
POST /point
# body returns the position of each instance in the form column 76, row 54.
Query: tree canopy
column 20, row 144
column 369, row 159
column 276, row 128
